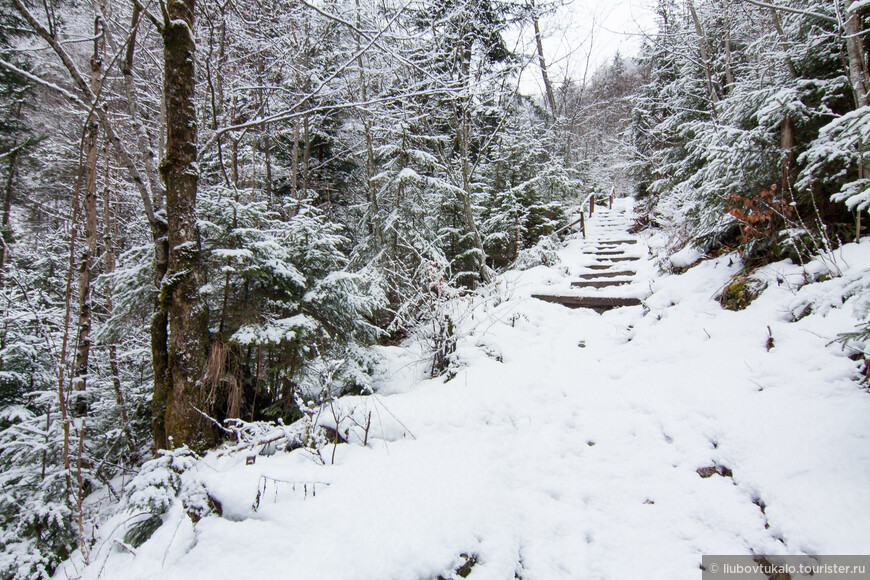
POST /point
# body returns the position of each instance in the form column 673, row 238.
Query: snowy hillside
column 562, row 443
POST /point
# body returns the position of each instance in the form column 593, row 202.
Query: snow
column 274, row 332
column 686, row 257
column 568, row 442
column 15, row 413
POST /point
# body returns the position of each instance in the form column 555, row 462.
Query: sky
column 584, row 34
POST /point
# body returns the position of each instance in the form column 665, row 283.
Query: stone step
column 599, row 266
column 599, row 283
column 616, row 242
column 607, row 275
column 609, row 253
column 597, row 303
column 624, row 259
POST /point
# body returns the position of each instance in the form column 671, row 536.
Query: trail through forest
column 284, row 290
column 563, row 443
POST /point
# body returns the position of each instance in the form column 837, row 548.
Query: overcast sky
column 587, row 33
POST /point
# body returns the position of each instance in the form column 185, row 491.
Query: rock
column 706, row 472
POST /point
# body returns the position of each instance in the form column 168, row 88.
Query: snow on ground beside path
column 567, row 445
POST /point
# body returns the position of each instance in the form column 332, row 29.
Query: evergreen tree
column 730, row 128
column 284, row 303
column 462, row 31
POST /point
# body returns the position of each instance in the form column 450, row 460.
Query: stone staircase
column 608, row 262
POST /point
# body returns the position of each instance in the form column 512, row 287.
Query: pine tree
column 462, row 31
column 15, row 137
column 285, row 302
column 771, row 83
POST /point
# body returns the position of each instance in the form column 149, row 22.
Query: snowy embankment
column 567, row 444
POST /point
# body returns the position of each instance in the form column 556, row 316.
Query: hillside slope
column 566, row 444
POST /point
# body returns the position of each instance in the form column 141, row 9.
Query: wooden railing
column 582, row 220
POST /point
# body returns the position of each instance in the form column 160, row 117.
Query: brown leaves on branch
column 760, row 216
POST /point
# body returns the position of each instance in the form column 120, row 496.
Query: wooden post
column 610, row 204
column 582, row 225
column 592, row 204
column 572, row 224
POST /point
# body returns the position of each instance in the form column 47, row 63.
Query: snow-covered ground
column 567, row 444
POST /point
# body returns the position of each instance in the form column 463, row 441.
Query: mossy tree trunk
column 160, row 338
column 188, row 316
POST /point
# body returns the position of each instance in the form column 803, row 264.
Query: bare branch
column 791, row 10
column 74, row 98
column 294, row 111
column 151, row 18
column 90, row 100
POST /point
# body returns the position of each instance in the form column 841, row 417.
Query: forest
column 215, row 211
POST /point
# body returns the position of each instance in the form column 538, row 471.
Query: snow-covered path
column 567, row 445
column 613, row 265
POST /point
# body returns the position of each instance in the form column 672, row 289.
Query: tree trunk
column 150, row 205
column 375, row 224
column 86, row 265
column 787, row 143
column 5, row 227
column 464, row 138
column 306, row 136
column 6, row 232
column 703, row 47
column 294, row 166
column 160, row 338
column 188, row 316
column 860, row 82
column 729, row 72
column 109, row 267
column 159, row 321
column 777, row 25
column 143, row 138
column 548, row 86
column 267, row 147
column 400, row 198
column 306, row 154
